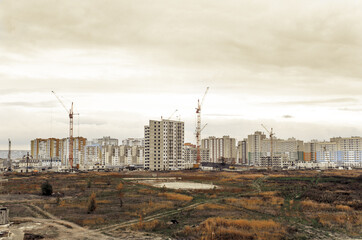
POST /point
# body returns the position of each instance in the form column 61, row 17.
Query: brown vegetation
column 222, row 228
column 176, row 196
column 146, row 226
column 207, row 206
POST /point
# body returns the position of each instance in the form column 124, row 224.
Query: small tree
column 120, row 194
column 89, row 183
column 92, row 203
column 46, row 189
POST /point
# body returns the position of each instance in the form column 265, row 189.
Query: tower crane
column 271, row 134
column 198, row 126
column 71, row 114
column 172, row 114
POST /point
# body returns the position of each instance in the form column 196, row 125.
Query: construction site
column 182, row 205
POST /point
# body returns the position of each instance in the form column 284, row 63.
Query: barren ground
column 245, row 205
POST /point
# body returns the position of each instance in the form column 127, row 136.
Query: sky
column 294, row 66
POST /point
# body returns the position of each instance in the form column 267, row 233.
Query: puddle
column 185, row 185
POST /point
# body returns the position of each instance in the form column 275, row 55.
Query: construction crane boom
column 203, row 127
column 198, row 126
column 71, row 114
column 61, row 102
column 172, row 114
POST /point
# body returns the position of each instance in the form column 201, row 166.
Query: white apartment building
column 164, row 142
column 254, row 148
column 190, row 154
column 242, row 152
column 134, row 142
column 93, row 154
column 290, row 151
column 45, row 149
column 106, row 141
column 340, row 151
column 349, row 150
column 79, row 144
column 220, row 149
column 132, row 155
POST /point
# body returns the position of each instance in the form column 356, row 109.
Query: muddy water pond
column 184, row 185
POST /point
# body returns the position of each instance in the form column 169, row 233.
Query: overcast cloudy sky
column 291, row 65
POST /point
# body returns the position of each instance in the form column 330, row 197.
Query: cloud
column 155, row 53
column 319, row 101
column 222, row 115
column 29, row 104
column 350, row 109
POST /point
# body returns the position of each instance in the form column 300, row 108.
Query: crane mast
column 71, row 114
column 71, row 136
column 198, row 126
column 271, row 134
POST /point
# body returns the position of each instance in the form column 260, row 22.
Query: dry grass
column 251, row 176
column 343, row 208
column 65, row 204
column 146, row 226
column 255, row 203
column 212, row 206
column 146, row 191
column 176, row 196
column 221, row 228
column 93, row 221
column 351, row 221
column 312, row 205
column 104, row 201
column 150, row 207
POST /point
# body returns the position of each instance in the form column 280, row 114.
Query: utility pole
column 9, row 156
column 27, row 157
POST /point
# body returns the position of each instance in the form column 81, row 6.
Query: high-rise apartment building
column 132, row 155
column 310, row 152
column 285, row 152
column 79, row 144
column 254, row 148
column 134, row 142
column 93, row 154
column 349, row 150
column 220, row 149
column 190, row 154
column 164, row 142
column 105, row 141
column 242, row 152
column 45, row 149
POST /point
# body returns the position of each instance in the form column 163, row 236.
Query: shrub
column 92, row 203
column 46, row 189
column 120, row 194
column 89, row 183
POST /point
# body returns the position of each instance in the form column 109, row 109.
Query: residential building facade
column 164, row 142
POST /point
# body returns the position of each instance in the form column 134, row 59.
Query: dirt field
column 242, row 205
